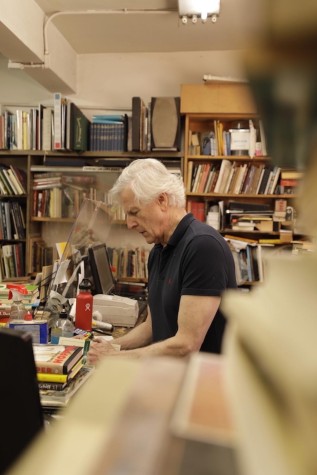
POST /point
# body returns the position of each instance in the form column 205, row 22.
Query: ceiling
column 114, row 26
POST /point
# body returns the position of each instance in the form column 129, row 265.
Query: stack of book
column 290, row 180
column 109, row 133
column 249, row 217
column 60, row 372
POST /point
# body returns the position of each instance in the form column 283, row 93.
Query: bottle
column 84, row 304
column 17, row 310
column 28, row 317
column 63, row 327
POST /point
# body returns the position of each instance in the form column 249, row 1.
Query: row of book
column 129, row 263
column 224, row 139
column 232, row 177
column 12, row 224
column 12, row 262
column 12, row 180
column 19, row 129
column 109, row 133
column 60, row 202
column 64, row 126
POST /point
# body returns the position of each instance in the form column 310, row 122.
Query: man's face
column 147, row 219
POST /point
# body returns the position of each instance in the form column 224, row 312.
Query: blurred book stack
column 60, row 372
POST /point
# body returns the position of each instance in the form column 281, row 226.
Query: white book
column 275, row 178
column 226, row 188
column 47, row 126
column 263, row 139
column 224, row 169
column 57, row 144
column 252, row 139
column 240, row 178
column 18, row 190
column 19, row 129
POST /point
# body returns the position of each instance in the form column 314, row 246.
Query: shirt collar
column 180, row 229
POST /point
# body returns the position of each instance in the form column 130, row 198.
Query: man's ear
column 162, row 200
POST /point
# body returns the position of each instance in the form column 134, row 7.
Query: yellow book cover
column 60, row 378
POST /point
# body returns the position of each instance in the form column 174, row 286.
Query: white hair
column 148, row 178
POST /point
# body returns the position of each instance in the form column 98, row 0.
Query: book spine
column 51, row 386
column 54, row 378
column 57, row 121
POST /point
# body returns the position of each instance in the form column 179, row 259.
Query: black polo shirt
column 196, row 261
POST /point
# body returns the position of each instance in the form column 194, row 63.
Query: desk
column 156, row 416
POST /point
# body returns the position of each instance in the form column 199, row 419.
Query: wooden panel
column 218, row 98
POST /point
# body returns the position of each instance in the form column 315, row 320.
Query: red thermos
column 84, row 303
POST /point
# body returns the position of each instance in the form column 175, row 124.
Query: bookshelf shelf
column 52, row 220
column 242, row 196
column 233, row 158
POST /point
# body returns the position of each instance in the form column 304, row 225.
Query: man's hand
column 98, row 349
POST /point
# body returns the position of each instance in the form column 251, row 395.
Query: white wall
column 110, row 80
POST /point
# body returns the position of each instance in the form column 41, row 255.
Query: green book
column 78, row 129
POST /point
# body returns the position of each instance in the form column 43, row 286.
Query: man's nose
column 131, row 223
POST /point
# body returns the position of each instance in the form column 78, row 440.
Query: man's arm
column 194, row 318
column 138, row 337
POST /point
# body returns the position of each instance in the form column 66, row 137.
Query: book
column 138, row 121
column 292, row 174
column 58, row 377
column 223, row 174
column 61, row 397
column 51, row 386
column 20, row 178
column 77, row 129
column 57, row 143
column 57, row 359
column 265, row 179
column 273, row 180
column 47, row 128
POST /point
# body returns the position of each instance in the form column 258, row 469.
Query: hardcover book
column 58, row 359
column 77, row 129
column 138, row 124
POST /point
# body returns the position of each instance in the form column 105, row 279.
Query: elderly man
column 189, row 267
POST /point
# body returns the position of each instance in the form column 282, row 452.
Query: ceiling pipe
column 124, row 11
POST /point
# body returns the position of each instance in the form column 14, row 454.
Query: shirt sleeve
column 204, row 267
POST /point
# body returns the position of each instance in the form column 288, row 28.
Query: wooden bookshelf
column 226, row 164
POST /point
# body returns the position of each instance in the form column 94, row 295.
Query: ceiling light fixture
column 194, row 9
